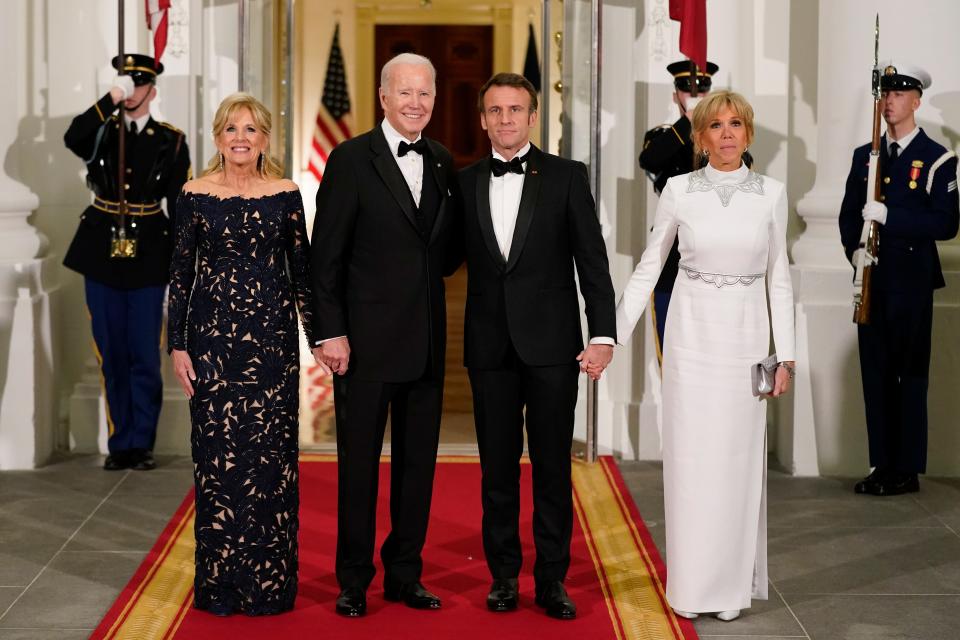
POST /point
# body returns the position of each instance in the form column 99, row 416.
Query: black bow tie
column 499, row 167
column 420, row 147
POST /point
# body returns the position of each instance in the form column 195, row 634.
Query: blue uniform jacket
column 920, row 192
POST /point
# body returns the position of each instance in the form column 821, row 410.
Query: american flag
column 333, row 116
column 157, row 22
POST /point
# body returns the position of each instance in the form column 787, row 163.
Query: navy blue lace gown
column 239, row 273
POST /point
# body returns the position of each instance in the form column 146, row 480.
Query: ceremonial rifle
column 121, row 246
column 867, row 254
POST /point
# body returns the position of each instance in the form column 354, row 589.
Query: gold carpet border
column 159, row 604
column 633, row 590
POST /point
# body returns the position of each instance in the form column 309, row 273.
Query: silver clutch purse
column 762, row 375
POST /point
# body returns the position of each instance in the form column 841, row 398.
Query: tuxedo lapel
column 386, row 166
column 484, row 217
column 440, row 175
column 528, row 204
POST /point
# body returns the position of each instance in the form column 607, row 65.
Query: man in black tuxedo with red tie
column 378, row 255
column 529, row 218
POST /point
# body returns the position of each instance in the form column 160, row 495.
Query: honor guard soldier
column 918, row 206
column 125, row 259
column 668, row 152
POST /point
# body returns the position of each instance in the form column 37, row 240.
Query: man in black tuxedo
column 379, row 247
column 529, row 218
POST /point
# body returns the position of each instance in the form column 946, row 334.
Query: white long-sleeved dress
column 732, row 231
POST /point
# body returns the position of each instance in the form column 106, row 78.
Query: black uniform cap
column 681, row 75
column 903, row 77
column 141, row 68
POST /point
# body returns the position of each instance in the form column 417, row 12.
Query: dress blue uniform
column 919, row 189
column 125, row 294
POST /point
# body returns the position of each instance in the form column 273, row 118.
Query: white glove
column 125, row 85
column 855, row 259
column 875, row 211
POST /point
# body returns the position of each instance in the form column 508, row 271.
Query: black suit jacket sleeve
column 333, row 225
column 180, row 173
column 590, row 257
column 662, row 144
column 81, row 135
column 854, row 197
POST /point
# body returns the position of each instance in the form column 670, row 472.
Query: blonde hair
column 266, row 165
column 708, row 109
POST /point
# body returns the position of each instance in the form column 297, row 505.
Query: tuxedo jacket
column 377, row 271
column 530, row 300
column 920, row 191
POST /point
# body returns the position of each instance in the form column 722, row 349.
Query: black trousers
column 549, row 395
column 361, row 413
column 895, row 364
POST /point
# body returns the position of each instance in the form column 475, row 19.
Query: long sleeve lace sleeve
column 644, row 278
column 182, row 271
column 779, row 283
column 298, row 258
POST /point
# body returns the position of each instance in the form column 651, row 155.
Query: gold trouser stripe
column 111, row 429
column 656, row 334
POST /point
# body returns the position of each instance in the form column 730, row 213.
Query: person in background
column 125, row 293
column 918, row 206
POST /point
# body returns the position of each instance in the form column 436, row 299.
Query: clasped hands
column 594, row 359
column 333, row 355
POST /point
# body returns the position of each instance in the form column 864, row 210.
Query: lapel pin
column 149, row 131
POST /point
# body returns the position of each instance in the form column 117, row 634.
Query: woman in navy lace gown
column 239, row 273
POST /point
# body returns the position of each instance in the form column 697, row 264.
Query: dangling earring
column 260, row 162
column 221, row 161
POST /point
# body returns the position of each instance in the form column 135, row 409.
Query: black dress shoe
column 117, row 461
column 412, row 594
column 504, row 595
column 352, row 602
column 900, row 483
column 142, row 460
column 553, row 597
column 872, row 484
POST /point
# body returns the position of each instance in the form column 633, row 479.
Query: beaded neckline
column 699, row 181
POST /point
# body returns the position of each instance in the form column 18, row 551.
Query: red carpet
column 616, row 576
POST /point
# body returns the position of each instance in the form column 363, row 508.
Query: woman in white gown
column 731, row 223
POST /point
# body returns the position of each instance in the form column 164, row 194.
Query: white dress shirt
column 411, row 165
column 141, row 122
column 505, row 192
column 902, row 142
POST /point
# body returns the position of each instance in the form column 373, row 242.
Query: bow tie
column 499, row 167
column 420, row 147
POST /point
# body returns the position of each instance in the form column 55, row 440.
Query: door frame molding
column 371, row 14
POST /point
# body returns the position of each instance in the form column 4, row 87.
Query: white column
column 27, row 398
column 822, row 427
